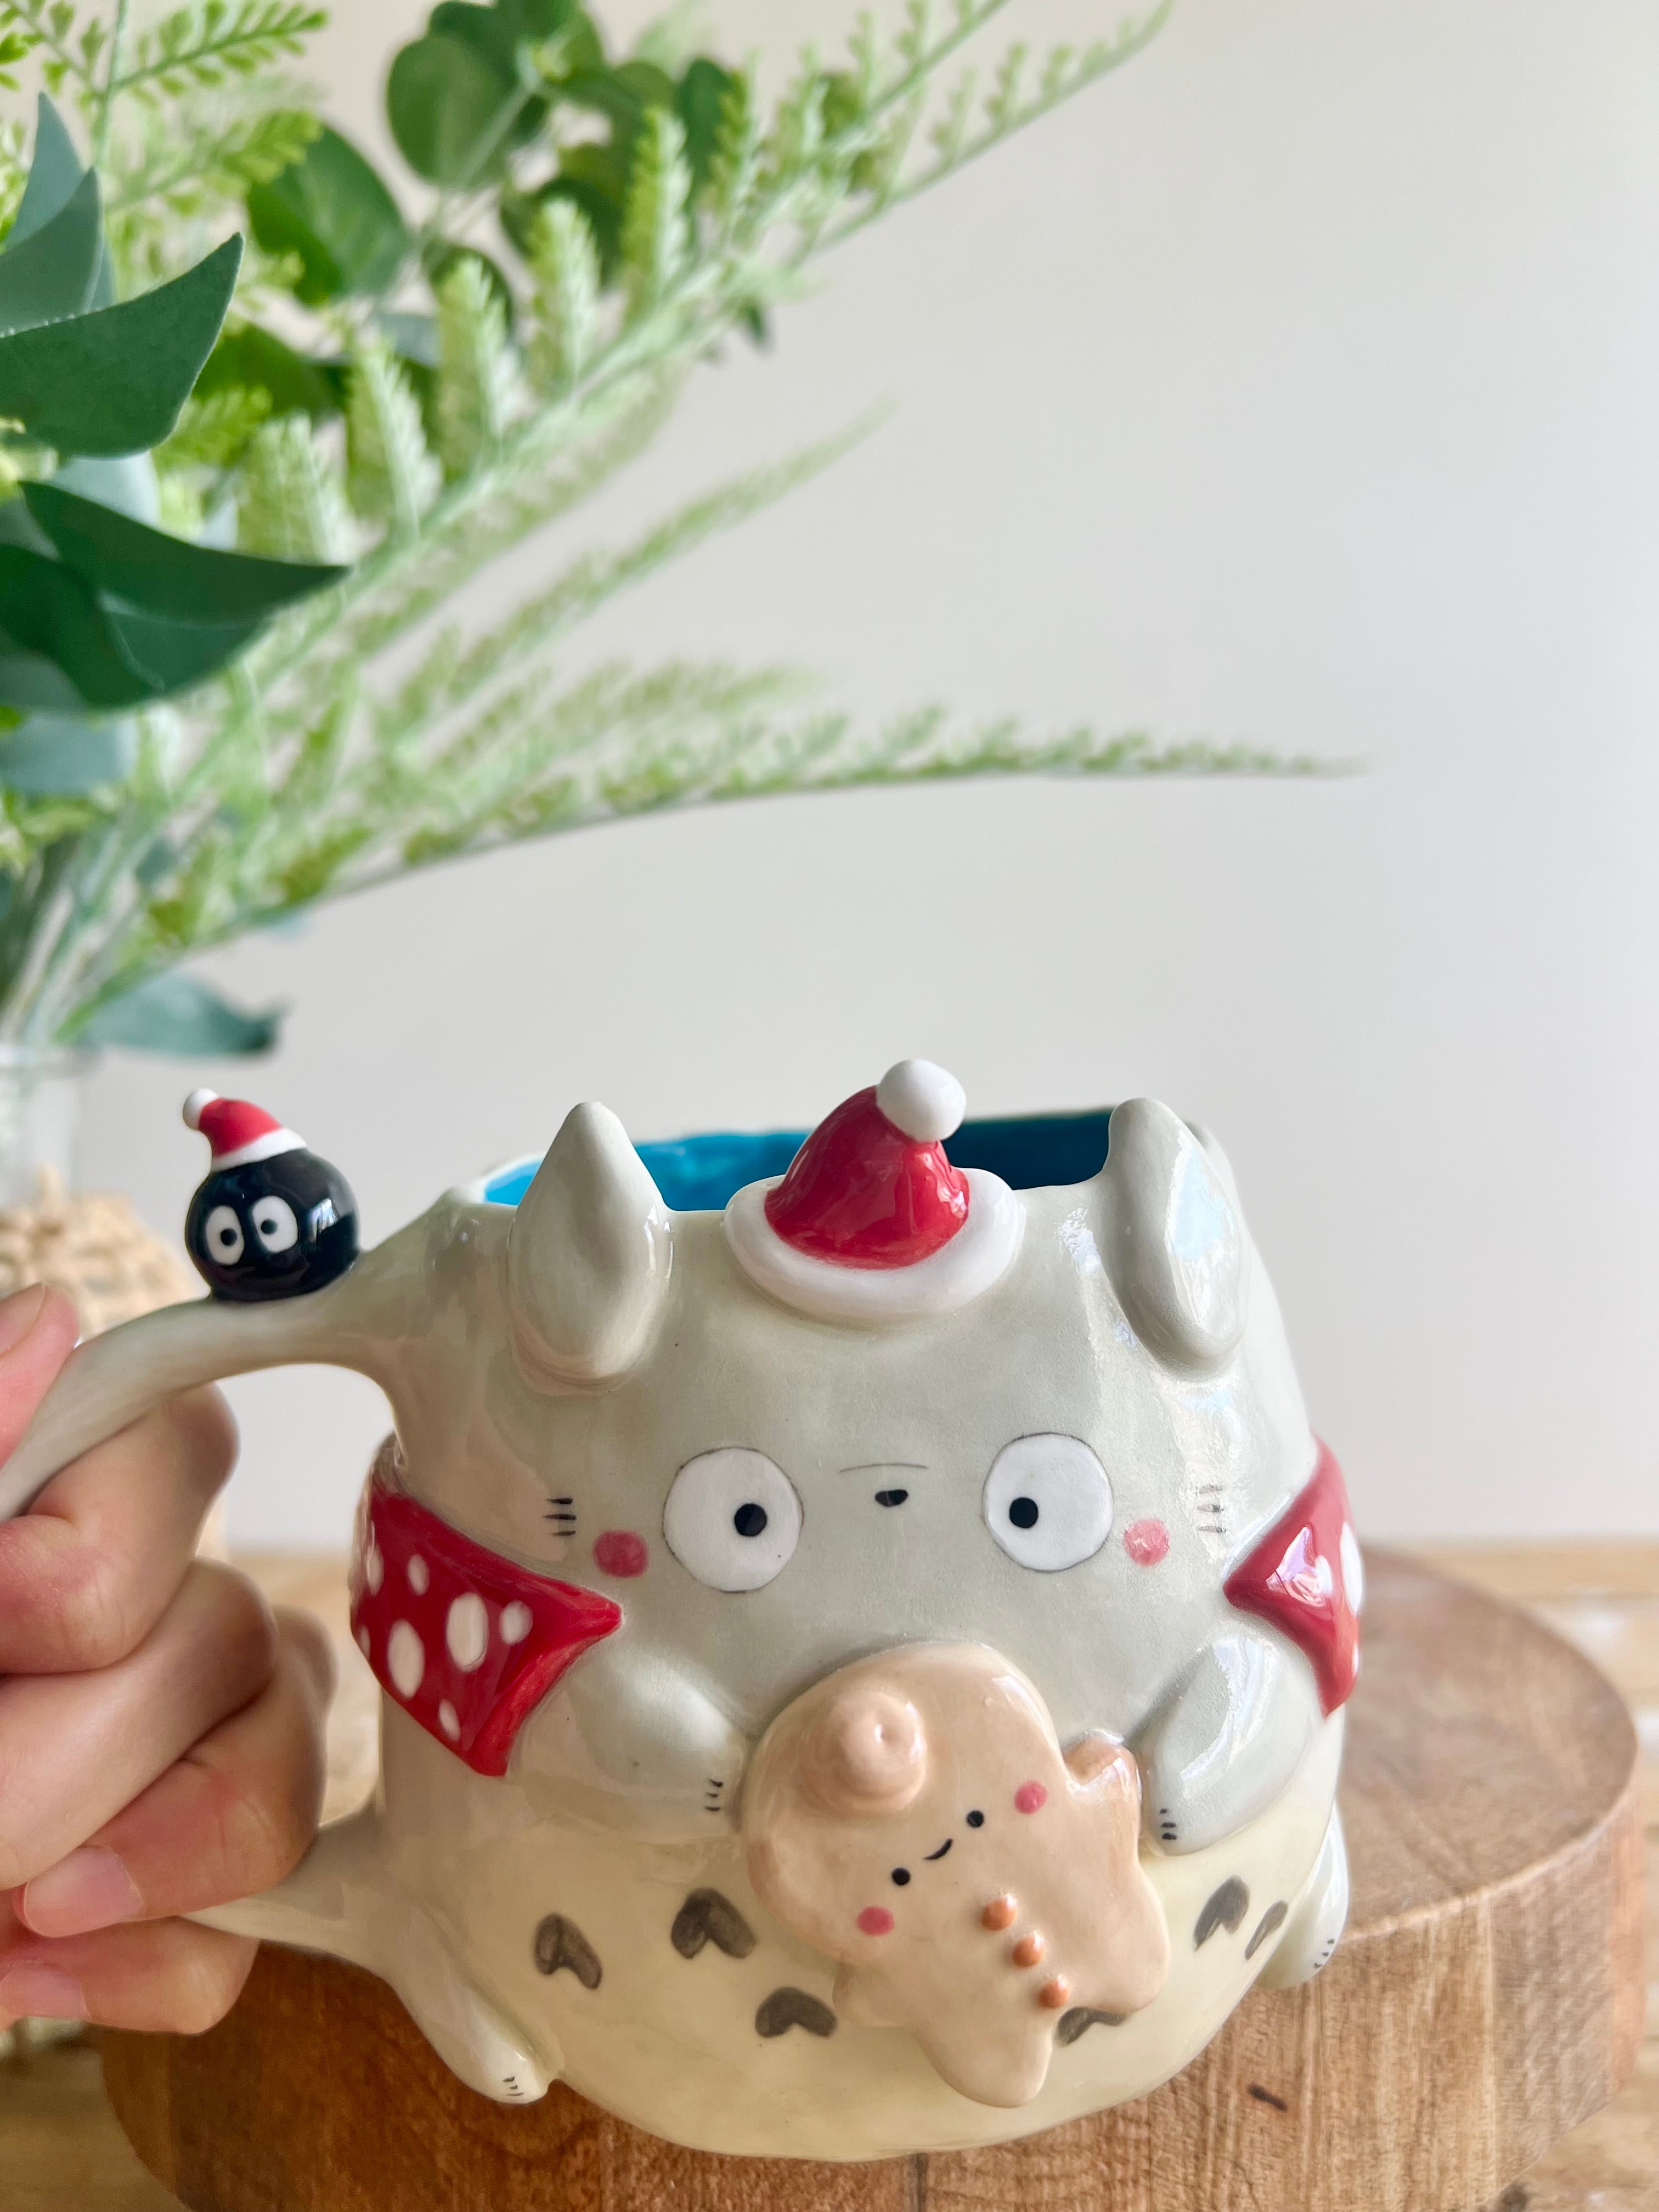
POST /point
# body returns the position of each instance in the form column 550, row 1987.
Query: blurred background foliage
column 264, row 412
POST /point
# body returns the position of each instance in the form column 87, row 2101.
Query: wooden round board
column 1487, row 1997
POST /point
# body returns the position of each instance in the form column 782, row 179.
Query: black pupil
column 750, row 1519
column 901, row 1875
column 891, row 1496
column 1023, row 1512
column 227, row 1238
column 977, row 1819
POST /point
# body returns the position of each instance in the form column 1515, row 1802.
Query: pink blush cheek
column 876, row 1920
column 1147, row 1542
column 1031, row 1797
column 620, row 1552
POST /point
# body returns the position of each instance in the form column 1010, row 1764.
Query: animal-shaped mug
column 751, row 1524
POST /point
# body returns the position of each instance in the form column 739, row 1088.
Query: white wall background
column 1301, row 384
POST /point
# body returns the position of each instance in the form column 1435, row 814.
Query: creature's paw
column 651, row 1733
column 476, row 2040
column 1222, row 1747
column 1318, row 1920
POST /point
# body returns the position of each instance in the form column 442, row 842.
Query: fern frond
column 525, row 499
column 393, row 477
column 15, row 47
column 53, row 28
column 951, row 131
column 445, row 679
column 478, row 385
column 1003, row 106
column 208, row 42
column 13, row 170
column 185, row 158
column 798, row 132
column 212, row 433
column 564, row 262
column 655, row 241
column 912, row 43
column 734, row 168
column 291, row 506
column 1008, row 109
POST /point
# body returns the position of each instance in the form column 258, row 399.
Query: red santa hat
column 238, row 1132
column 872, row 1223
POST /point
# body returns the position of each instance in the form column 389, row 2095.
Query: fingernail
column 34, row 1991
column 19, row 1313
column 89, row 1889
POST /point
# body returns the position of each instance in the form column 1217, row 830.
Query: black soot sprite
column 272, row 1220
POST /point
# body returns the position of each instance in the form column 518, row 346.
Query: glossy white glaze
column 554, row 1374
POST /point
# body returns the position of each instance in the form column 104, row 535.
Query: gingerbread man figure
column 915, row 1817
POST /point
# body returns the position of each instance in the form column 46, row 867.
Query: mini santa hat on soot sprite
column 872, row 1223
column 238, row 1132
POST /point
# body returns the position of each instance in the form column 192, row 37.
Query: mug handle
column 112, row 1381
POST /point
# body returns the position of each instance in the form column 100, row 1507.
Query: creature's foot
column 332, row 1902
column 1317, row 1921
column 489, row 2051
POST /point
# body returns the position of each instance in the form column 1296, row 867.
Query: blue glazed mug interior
column 699, row 1174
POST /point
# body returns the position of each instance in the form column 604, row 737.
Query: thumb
column 38, row 1329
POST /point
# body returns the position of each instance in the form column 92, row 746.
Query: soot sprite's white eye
column 1047, row 1502
column 274, row 1224
column 732, row 1518
column 222, row 1233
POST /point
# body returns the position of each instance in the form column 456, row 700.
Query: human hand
column 160, row 1730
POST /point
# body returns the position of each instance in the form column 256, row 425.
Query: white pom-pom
column 924, row 1101
column 194, row 1106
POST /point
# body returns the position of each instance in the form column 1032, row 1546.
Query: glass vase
column 41, row 1096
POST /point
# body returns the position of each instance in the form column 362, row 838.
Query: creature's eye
column 732, row 1518
column 1047, row 1502
column 222, row 1233
column 274, row 1224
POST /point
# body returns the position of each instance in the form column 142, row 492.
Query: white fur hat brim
column 979, row 1255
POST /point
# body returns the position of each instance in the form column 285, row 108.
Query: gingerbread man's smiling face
column 914, row 1817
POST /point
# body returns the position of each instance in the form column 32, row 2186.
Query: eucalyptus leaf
column 494, row 36
column 54, row 272
column 113, row 381
column 57, row 756
column 331, row 209
column 537, row 21
column 30, row 685
column 50, row 611
column 170, row 655
column 165, row 575
column 490, row 34
column 181, row 1014
column 445, row 102
column 126, row 481
column 54, row 172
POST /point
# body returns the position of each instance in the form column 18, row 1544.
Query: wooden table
column 61, row 2150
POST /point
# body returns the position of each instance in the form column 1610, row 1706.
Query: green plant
column 435, row 393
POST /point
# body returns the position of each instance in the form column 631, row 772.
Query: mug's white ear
column 1173, row 1243
column 588, row 1254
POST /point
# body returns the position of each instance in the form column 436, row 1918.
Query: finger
column 168, row 1976
column 87, row 1573
column 75, row 1748
column 38, row 1328
column 234, row 1816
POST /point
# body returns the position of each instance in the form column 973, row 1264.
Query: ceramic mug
column 863, row 1621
